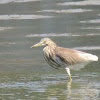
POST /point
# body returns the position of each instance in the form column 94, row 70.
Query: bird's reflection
column 69, row 85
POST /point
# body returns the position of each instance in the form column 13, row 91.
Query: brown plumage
column 61, row 57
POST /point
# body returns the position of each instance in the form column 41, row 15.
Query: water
column 24, row 74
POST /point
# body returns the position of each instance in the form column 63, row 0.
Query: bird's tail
column 88, row 56
column 93, row 58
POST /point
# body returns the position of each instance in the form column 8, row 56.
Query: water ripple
column 88, row 48
column 61, row 34
column 16, row 1
column 66, row 11
column 98, row 27
column 9, row 17
column 5, row 28
column 81, row 3
column 91, row 21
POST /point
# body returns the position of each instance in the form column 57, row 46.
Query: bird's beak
column 36, row 45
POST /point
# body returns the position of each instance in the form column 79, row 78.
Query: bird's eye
column 44, row 42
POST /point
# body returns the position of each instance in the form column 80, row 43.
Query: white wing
column 87, row 56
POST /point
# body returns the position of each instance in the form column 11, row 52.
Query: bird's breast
column 51, row 58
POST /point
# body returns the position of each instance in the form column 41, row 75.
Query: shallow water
column 24, row 74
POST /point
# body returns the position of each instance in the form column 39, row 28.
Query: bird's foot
column 70, row 79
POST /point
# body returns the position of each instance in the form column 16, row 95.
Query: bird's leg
column 68, row 71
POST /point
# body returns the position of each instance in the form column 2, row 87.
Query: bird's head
column 43, row 42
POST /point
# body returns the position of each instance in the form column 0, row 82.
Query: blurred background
column 24, row 74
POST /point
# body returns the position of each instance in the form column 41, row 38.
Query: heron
column 60, row 57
